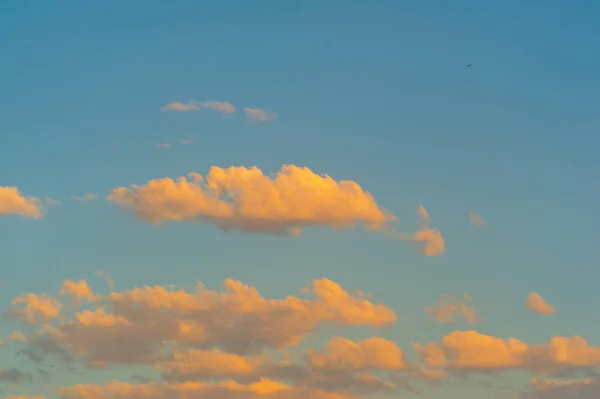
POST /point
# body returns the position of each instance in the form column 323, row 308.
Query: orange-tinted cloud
column 260, row 115
column 234, row 338
column 428, row 241
column 245, row 199
column 370, row 354
column 12, row 202
column 24, row 397
column 227, row 389
column 447, row 309
column 423, row 214
column 220, row 106
column 35, row 308
column 537, row 304
column 470, row 351
column 78, row 291
column 235, row 343
column 239, row 320
column 476, row 220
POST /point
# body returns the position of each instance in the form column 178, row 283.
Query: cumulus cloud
column 127, row 327
column 370, row 354
column 31, row 308
column 476, row 220
column 448, row 308
column 260, row 115
column 235, row 343
column 219, row 106
column 537, row 304
column 471, row 351
column 245, row 199
column 206, row 342
column 12, row 202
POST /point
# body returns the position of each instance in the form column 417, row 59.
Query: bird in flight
column 468, row 65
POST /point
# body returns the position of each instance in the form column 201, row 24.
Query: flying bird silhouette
column 468, row 65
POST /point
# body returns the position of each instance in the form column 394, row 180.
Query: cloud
column 553, row 389
column 36, row 308
column 14, row 375
column 449, row 307
column 370, row 354
column 235, row 343
column 428, row 241
column 126, row 328
column 260, row 115
column 12, row 202
column 107, row 279
column 537, row 304
column 471, row 351
column 52, row 202
column 221, row 344
column 245, row 199
column 423, row 214
column 189, row 141
column 78, row 291
column 180, row 107
column 219, row 106
column 85, row 197
column 476, row 220
column 24, row 397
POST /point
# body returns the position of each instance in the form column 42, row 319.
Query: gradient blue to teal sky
column 373, row 92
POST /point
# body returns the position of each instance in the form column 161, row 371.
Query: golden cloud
column 12, row 202
column 537, row 304
column 449, row 307
column 245, row 199
column 235, row 343
column 470, row 351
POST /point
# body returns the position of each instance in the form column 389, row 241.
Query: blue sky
column 376, row 93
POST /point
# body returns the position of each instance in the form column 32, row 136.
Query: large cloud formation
column 235, row 343
column 246, row 199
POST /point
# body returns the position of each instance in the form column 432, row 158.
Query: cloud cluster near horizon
column 235, row 343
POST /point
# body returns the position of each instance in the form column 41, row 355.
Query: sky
column 299, row 199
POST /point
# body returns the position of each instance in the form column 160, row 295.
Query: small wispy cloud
column 260, row 115
column 180, row 107
column 538, row 304
column 85, row 197
column 163, row 145
column 52, row 202
column 189, row 141
column 476, row 220
column 219, row 106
